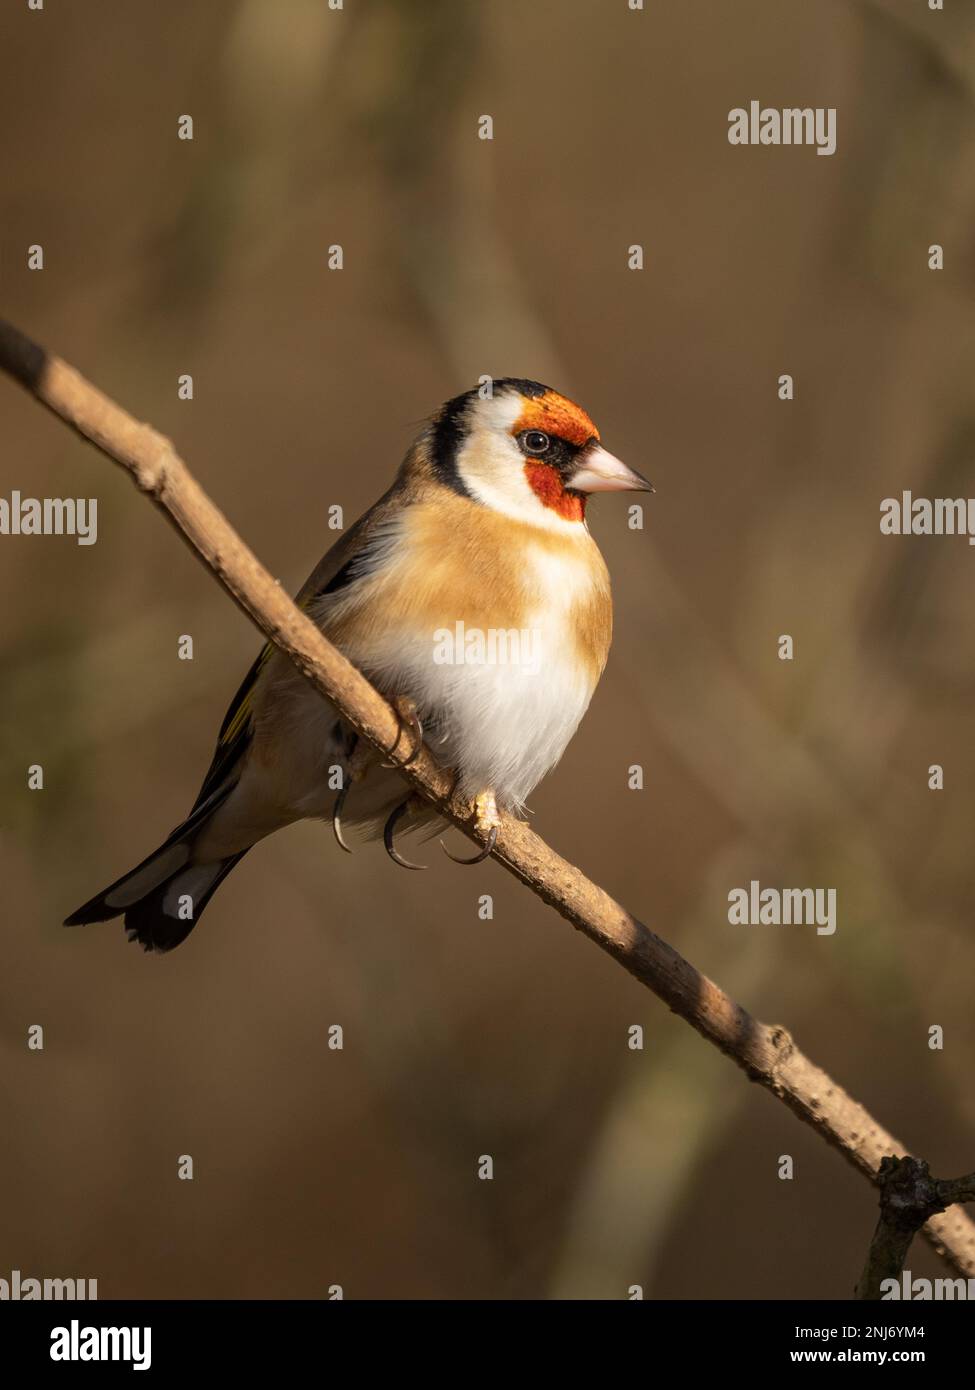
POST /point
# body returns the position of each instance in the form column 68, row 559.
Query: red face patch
column 547, row 486
column 556, row 415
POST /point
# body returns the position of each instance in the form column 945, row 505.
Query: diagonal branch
column 765, row 1053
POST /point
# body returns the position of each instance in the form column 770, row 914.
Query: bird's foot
column 409, row 718
column 389, row 829
column 487, row 823
column 360, row 757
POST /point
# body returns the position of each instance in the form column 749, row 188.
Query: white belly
column 500, row 705
column 502, row 725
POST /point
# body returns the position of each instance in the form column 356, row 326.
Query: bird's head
column 526, row 451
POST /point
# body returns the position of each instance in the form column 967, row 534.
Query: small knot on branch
column 154, row 462
column 783, row 1047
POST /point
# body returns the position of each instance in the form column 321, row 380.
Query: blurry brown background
column 463, row 257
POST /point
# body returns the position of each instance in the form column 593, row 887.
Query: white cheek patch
column 492, row 467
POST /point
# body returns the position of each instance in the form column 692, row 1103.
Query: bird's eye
column 535, row 442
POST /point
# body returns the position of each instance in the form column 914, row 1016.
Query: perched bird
column 473, row 595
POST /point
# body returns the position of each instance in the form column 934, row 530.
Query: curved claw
column 337, row 818
column 418, row 731
column 415, row 726
column 388, row 830
column 488, row 849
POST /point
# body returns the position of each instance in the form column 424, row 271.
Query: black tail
column 163, row 897
column 166, row 912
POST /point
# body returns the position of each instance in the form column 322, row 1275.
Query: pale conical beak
column 601, row 471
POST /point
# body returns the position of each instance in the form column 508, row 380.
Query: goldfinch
column 473, row 595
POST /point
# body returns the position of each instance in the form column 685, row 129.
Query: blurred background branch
column 909, row 1196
